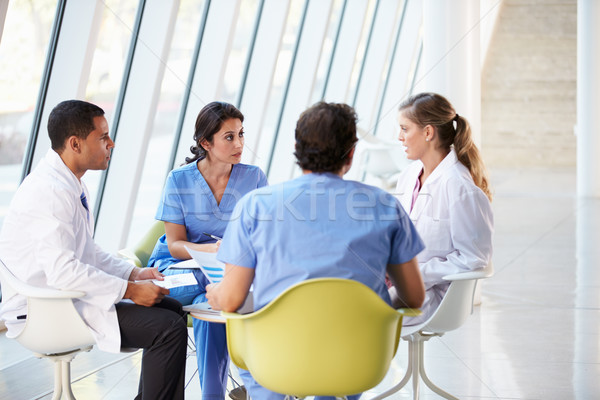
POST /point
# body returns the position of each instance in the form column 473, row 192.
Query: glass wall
column 23, row 47
column 173, row 89
column 153, row 65
column 107, row 67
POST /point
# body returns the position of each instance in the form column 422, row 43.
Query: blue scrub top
column 187, row 200
column 318, row 225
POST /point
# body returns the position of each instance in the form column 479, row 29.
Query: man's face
column 96, row 148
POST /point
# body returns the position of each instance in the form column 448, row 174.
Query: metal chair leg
column 416, row 371
column 66, row 379
column 428, row 382
column 57, row 380
column 416, row 361
column 409, row 368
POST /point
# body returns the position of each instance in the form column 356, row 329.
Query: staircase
column 529, row 86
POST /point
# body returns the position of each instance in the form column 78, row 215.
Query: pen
column 212, row 236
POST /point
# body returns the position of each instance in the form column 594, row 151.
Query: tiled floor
column 536, row 334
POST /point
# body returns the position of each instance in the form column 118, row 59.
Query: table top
column 204, row 312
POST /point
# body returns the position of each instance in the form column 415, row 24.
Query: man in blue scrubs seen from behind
column 317, row 225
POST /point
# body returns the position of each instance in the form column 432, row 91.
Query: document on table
column 208, row 263
column 173, row 281
column 205, row 308
column 201, row 307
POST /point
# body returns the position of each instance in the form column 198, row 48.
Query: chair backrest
column 381, row 157
column 326, row 337
column 53, row 325
column 143, row 249
column 457, row 304
column 454, row 309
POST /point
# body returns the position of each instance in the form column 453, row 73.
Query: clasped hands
column 140, row 288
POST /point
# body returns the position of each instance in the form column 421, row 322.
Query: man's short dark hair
column 71, row 118
column 325, row 136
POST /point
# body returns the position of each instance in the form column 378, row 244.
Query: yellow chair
column 141, row 252
column 321, row 337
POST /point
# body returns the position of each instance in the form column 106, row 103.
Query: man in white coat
column 46, row 241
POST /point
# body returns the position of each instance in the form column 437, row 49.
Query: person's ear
column 73, row 143
column 349, row 159
column 205, row 144
column 429, row 133
column 351, row 155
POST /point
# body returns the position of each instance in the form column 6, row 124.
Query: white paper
column 201, row 307
column 173, row 281
column 205, row 308
column 208, row 263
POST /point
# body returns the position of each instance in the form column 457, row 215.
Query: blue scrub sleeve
column 236, row 247
column 262, row 179
column 170, row 208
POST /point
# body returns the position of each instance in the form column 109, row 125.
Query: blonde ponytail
column 468, row 154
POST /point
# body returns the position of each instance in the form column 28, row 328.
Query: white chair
column 378, row 158
column 53, row 328
column 452, row 312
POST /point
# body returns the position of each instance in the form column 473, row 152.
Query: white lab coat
column 46, row 241
column 454, row 218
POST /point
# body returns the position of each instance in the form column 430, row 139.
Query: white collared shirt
column 46, row 241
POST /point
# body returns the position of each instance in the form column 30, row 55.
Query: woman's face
column 413, row 137
column 227, row 144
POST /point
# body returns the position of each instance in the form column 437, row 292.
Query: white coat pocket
column 436, row 235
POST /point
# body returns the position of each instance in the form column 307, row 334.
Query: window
column 23, row 50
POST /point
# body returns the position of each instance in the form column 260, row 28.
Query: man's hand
column 140, row 274
column 408, row 290
column 229, row 294
column 145, row 293
column 211, row 298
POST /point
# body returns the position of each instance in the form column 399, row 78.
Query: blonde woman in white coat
column 446, row 193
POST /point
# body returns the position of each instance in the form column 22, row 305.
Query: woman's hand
column 177, row 241
column 206, row 247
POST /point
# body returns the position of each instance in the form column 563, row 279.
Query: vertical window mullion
column 41, row 101
column 287, row 86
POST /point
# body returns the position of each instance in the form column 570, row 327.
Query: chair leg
column 417, row 362
column 62, row 373
column 416, row 370
column 428, row 381
column 66, row 379
column 57, row 380
column 409, row 369
column 191, row 353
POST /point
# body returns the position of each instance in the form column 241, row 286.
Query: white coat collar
column 71, row 183
column 56, row 163
column 447, row 163
column 439, row 171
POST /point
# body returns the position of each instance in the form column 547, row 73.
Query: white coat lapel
column 404, row 188
column 428, row 189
